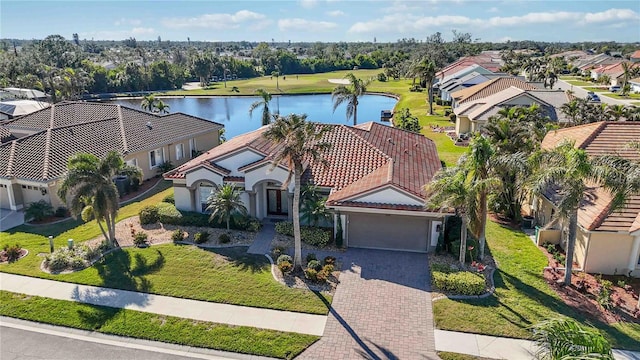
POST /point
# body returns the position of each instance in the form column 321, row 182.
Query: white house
column 373, row 181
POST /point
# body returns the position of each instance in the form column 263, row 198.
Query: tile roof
column 599, row 139
column 636, row 54
column 489, row 88
column 361, row 159
column 67, row 128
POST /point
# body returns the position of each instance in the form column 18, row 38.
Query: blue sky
column 323, row 20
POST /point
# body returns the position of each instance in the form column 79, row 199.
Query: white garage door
column 388, row 232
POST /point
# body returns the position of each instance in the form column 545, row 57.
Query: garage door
column 4, row 198
column 388, row 232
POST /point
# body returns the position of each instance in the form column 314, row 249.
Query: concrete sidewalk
column 493, row 347
column 165, row 305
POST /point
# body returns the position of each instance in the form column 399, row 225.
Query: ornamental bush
column 39, row 210
column 168, row 214
column 310, row 235
column 177, row 235
column 224, row 238
column 460, row 283
column 149, row 215
column 314, row 264
column 169, row 199
column 201, row 237
column 284, row 228
column 12, row 252
column 284, row 257
column 285, row 266
column 140, row 239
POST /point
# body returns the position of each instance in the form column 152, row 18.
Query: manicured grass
column 596, row 89
column 580, row 83
column 522, row 297
column 227, row 276
column 148, row 326
column 628, row 97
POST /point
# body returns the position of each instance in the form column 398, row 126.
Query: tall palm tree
column 564, row 338
column 626, row 72
column 425, row 70
column 148, row 103
column 161, row 107
column 266, row 113
column 300, row 144
column 571, row 172
column 450, row 190
column 616, row 112
column 349, row 94
column 276, row 74
column 313, row 205
column 88, row 182
column 571, row 110
column 224, row 202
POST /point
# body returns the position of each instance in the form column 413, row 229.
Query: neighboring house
column 471, row 116
column 487, row 89
column 614, row 71
column 467, row 81
column 35, row 147
column 605, row 244
column 635, row 85
column 10, row 109
column 19, row 93
column 373, row 180
column 635, row 57
column 463, row 72
column 593, row 61
column 489, row 60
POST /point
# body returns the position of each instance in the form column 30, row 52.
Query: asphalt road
column 582, row 93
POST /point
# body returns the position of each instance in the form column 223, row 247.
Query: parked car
column 614, row 88
column 591, row 96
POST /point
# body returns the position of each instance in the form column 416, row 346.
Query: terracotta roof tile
column 489, row 88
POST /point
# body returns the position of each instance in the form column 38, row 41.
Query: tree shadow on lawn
column 48, row 229
column 116, row 270
column 239, row 258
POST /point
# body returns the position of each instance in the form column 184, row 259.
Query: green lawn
column 227, row 276
column 522, row 296
column 596, row 89
column 455, row 356
column 628, row 97
column 148, row 326
column 580, row 83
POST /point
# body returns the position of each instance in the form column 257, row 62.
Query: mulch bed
column 49, row 220
column 582, row 293
column 4, row 259
column 453, row 263
column 296, row 279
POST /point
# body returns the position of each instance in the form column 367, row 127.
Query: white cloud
column 493, row 10
column 403, row 22
column 136, row 32
column 125, row 21
column 505, row 39
column 297, row 24
column 611, row 15
column 217, row 21
column 308, row 4
column 335, row 13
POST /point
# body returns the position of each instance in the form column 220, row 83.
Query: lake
column 233, row 111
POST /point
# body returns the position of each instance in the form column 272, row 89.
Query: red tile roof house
column 614, row 71
column 374, row 181
column 35, row 147
column 606, row 243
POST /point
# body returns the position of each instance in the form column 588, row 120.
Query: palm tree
column 161, row 107
column 300, row 144
column 568, row 170
column 571, row 110
column 313, row 205
column 564, row 338
column 626, row 72
column 88, row 183
column 615, row 112
column 450, row 190
column 148, row 103
column 276, row 74
column 266, row 113
column 224, row 202
column 349, row 95
column 425, row 70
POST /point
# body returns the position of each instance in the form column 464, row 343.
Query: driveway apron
column 381, row 309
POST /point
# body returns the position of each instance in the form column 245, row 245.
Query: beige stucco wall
column 4, row 197
column 462, row 124
column 548, row 236
column 608, row 253
column 543, row 212
column 580, row 250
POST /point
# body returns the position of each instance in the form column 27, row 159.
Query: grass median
column 136, row 324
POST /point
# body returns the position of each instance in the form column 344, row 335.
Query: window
column 179, row 151
column 155, row 158
column 132, row 162
column 205, row 191
column 192, row 147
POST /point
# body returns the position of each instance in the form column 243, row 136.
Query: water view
column 233, row 112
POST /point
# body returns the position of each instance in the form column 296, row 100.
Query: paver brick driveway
column 381, row 309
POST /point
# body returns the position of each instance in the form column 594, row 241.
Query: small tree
column 406, row 121
column 224, row 202
column 38, row 211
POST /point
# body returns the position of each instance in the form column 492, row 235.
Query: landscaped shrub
column 148, row 215
column 329, row 260
column 77, row 262
column 224, row 238
column 310, row 235
column 277, row 251
column 284, row 228
column 285, row 266
column 169, row 199
column 168, row 214
column 57, row 261
column 461, row 283
column 38, row 211
column 311, row 274
column 75, row 258
column 328, row 269
column 604, row 294
column 314, row 264
column 472, row 249
column 443, row 268
column 382, row 77
column 284, row 257
column 254, row 225
column 12, row 252
column 201, row 237
column 416, row 88
column 164, row 167
column 311, row 256
column 177, row 235
column 61, row 212
column 140, row 239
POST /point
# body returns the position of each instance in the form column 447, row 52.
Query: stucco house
column 635, row 85
column 606, row 243
column 488, row 88
column 35, row 147
column 373, row 181
column 471, row 116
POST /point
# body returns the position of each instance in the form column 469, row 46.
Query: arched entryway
column 269, row 200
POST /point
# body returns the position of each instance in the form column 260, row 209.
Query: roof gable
column 489, row 88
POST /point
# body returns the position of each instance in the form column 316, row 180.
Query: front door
column 275, row 204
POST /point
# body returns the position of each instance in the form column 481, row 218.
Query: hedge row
column 167, row 213
column 457, row 282
column 311, row 235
